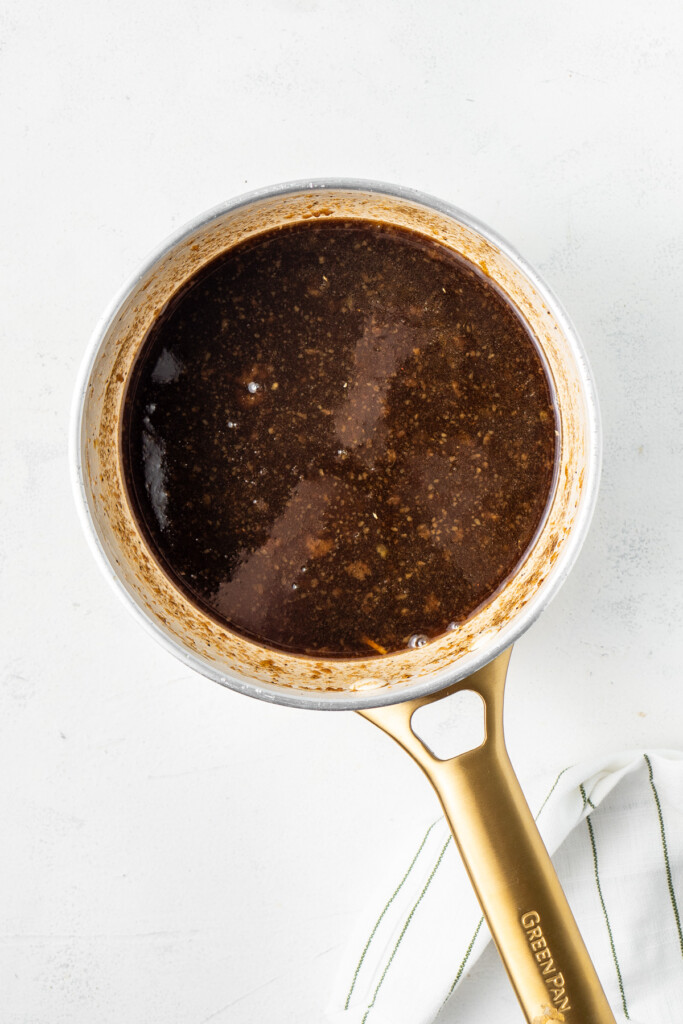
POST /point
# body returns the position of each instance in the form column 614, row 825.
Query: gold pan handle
column 506, row 860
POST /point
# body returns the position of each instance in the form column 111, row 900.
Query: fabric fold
column 614, row 826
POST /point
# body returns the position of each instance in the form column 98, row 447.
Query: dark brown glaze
column 339, row 438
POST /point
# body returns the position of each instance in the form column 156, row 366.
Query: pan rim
column 474, row 660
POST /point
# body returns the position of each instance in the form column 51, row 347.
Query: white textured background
column 173, row 853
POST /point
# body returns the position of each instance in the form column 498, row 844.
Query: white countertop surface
column 174, row 853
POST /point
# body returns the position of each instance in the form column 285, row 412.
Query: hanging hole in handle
column 451, row 726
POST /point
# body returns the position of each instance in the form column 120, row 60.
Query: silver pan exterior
column 213, row 650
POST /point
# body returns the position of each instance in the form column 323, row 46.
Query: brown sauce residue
column 339, row 439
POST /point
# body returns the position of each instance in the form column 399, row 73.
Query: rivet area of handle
column 488, row 682
column 506, row 860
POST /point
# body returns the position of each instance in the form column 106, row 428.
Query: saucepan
column 506, row 860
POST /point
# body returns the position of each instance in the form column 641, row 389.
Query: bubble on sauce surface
column 418, row 640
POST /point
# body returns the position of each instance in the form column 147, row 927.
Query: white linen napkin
column 615, row 829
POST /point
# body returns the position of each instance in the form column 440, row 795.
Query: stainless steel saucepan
column 509, row 867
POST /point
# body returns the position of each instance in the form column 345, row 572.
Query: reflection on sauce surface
column 339, row 439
